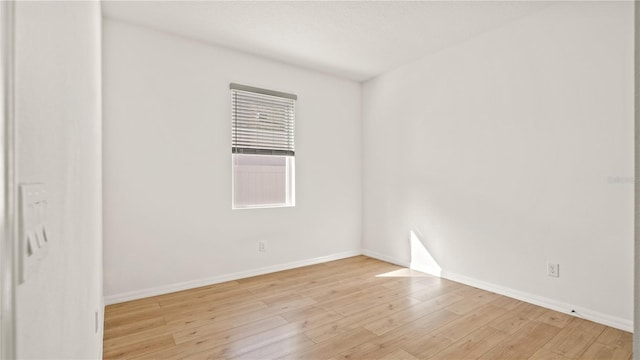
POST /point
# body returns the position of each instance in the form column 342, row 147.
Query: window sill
column 264, row 206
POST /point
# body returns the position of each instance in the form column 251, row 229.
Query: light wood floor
column 356, row 308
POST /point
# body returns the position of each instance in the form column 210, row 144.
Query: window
column 262, row 147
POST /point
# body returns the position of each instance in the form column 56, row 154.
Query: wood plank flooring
column 355, row 308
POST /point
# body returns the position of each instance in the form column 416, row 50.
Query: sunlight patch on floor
column 403, row 273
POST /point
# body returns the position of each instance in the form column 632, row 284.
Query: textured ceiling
column 353, row 39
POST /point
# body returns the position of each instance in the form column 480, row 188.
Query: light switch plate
column 32, row 229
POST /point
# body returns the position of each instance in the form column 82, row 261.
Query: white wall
column 58, row 120
column 511, row 150
column 168, row 221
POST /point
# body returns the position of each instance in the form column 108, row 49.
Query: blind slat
column 254, row 120
column 263, row 128
column 263, row 100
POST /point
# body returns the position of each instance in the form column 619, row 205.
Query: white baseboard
column 403, row 263
column 426, row 269
column 389, row 259
column 595, row 316
column 165, row 289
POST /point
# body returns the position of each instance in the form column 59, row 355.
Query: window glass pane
column 262, row 180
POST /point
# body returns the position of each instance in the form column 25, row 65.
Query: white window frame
column 262, row 128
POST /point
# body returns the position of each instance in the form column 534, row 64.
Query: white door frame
column 7, row 184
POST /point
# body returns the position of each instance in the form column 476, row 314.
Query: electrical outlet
column 553, row 270
column 262, row 246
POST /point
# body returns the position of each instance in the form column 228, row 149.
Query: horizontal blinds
column 262, row 121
